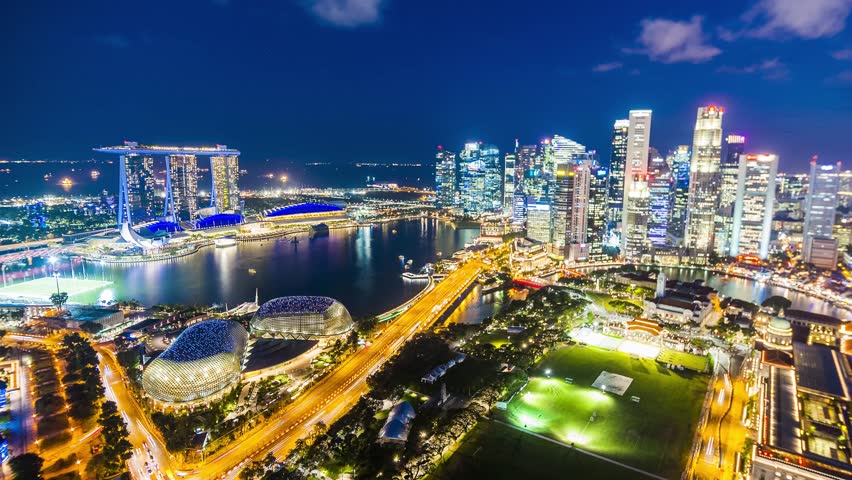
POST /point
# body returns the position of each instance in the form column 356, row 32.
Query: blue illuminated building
column 219, row 220
column 303, row 209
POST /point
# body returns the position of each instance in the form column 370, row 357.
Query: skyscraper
column 508, row 183
column 576, row 231
column 598, row 209
column 680, row 174
column 446, row 180
column 519, row 208
column 184, row 176
column 225, row 171
column 617, row 161
column 660, row 200
column 561, row 204
column 704, row 183
column 481, row 176
column 820, row 209
column 753, row 205
column 141, row 192
column 730, row 171
column 538, row 221
column 634, row 224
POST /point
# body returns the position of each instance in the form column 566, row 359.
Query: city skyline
column 761, row 71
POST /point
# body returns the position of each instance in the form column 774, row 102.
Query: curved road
column 326, row 401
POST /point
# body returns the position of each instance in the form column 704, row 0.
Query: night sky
column 388, row 80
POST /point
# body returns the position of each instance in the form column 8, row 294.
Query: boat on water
column 439, row 254
column 319, row 230
column 252, row 271
column 393, row 231
column 410, row 262
column 402, row 257
column 224, row 242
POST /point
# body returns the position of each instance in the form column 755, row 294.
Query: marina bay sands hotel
column 140, row 202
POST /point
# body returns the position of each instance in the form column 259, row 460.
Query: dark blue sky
column 387, row 80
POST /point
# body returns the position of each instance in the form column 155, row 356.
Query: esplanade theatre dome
column 206, row 358
column 301, row 317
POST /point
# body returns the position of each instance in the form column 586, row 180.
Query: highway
column 326, row 401
column 336, row 393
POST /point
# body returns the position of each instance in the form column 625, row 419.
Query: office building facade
column 820, row 209
column 509, row 179
column 539, row 221
column 481, row 184
column 659, row 200
column 446, row 179
column 754, row 204
column 634, row 224
column 617, row 161
column 596, row 229
column 703, row 198
column 680, row 176
column 729, row 171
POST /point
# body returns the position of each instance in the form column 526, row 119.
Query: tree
column 26, row 467
column 117, row 449
column 777, row 303
column 58, row 299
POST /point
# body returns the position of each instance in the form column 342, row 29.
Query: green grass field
column 691, row 361
column 41, row 288
column 654, row 435
column 497, row 338
column 498, row 452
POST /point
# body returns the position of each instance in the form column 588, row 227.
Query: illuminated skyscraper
column 753, row 205
column 660, row 200
column 617, row 161
column 141, row 191
column 538, row 221
column 225, row 171
column 519, row 208
column 598, row 210
column 508, row 183
column 820, row 246
column 184, row 177
column 446, row 180
column 680, row 175
column 634, row 224
column 481, row 176
column 730, row 171
column 704, row 183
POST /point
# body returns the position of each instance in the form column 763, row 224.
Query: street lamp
column 56, row 277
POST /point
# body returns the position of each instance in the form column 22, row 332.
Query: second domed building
column 301, row 317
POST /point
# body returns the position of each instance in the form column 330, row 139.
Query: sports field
column 41, row 288
column 498, row 452
column 691, row 361
column 654, row 435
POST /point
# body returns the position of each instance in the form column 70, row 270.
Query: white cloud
column 842, row 78
column 772, row 69
column 672, row 41
column 347, row 13
column 845, row 54
column 800, row 18
column 607, row 67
